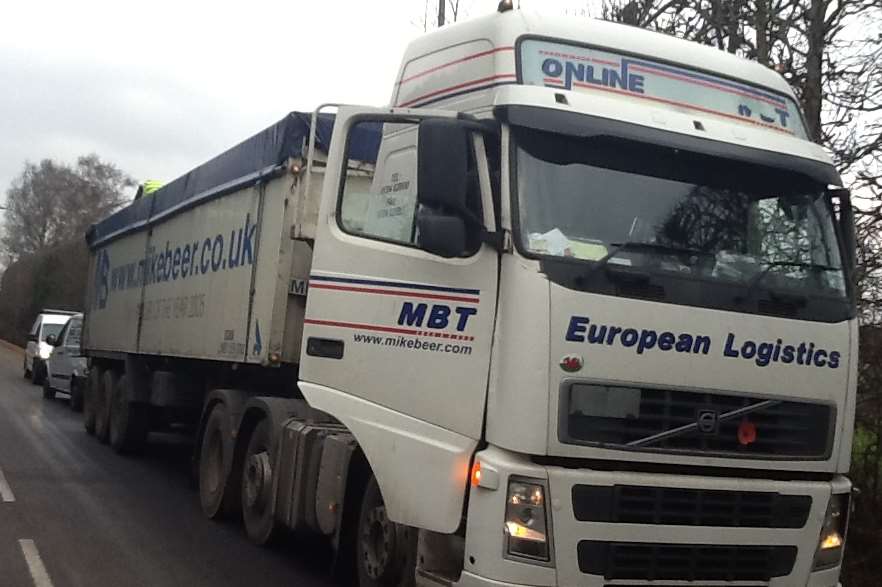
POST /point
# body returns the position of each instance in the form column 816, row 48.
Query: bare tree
column 444, row 12
column 51, row 202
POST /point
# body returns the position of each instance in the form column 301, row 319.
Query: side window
column 74, row 331
column 63, row 332
column 379, row 194
column 36, row 327
column 379, row 191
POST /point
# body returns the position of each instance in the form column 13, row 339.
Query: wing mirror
column 51, row 341
column 442, row 181
column 846, row 226
column 442, row 234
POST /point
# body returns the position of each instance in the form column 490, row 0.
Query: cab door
column 401, row 306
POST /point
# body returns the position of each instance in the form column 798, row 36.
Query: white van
column 48, row 323
column 66, row 366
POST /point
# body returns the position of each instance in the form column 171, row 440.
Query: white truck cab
column 649, row 278
column 576, row 308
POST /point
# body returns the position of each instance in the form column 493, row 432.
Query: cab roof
column 506, row 28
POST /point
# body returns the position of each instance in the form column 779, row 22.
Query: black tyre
column 76, row 395
column 102, row 405
column 129, row 421
column 27, row 372
column 257, row 486
column 385, row 551
column 93, row 389
column 39, row 372
column 48, row 392
column 218, row 492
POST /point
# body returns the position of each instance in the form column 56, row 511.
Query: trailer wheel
column 102, row 405
column 76, row 395
column 48, row 392
column 218, row 494
column 129, row 421
column 96, row 380
column 385, row 551
column 257, row 486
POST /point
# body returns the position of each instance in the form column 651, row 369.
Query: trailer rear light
column 526, row 520
column 832, row 541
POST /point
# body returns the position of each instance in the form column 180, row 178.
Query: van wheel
column 385, row 551
column 218, row 492
column 48, row 392
column 129, row 421
column 257, row 487
column 93, row 388
column 76, row 395
column 38, row 374
column 102, row 405
column 27, row 372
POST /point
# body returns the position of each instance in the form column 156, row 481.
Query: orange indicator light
column 746, row 432
column 476, row 473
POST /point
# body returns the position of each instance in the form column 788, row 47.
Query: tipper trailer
column 575, row 309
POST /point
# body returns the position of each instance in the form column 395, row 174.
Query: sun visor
column 583, row 125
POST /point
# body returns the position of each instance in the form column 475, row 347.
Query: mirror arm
column 494, row 239
column 480, row 125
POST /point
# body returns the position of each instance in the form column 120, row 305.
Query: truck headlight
column 832, row 542
column 526, row 520
column 45, row 350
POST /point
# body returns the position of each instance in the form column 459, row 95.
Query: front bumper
column 684, row 553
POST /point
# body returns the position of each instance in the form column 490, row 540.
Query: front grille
column 668, row 420
column 684, row 562
column 631, row 504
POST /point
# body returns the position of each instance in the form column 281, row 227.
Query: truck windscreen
column 656, row 212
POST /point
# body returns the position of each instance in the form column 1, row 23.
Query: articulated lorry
column 576, row 308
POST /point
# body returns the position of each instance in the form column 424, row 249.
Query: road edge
column 11, row 347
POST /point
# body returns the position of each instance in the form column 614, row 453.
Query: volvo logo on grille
column 708, row 421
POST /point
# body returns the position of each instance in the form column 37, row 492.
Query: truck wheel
column 76, row 395
column 218, row 494
column 257, row 487
column 27, row 372
column 48, row 392
column 96, row 380
column 102, row 405
column 129, row 421
column 385, row 551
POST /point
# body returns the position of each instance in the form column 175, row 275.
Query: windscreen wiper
column 651, row 247
column 759, row 277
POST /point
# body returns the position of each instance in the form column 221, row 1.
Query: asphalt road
column 73, row 513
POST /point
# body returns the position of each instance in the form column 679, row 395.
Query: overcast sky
column 158, row 87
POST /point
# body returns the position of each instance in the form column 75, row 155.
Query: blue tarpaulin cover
column 233, row 169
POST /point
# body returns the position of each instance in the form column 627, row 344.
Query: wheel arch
column 414, row 462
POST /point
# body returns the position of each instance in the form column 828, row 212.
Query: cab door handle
column 328, row 348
